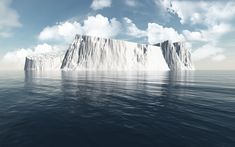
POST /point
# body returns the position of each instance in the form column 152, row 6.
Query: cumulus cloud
column 16, row 59
column 209, row 51
column 101, row 26
column 166, row 4
column 132, row 29
column 94, row 26
column 158, row 33
column 187, row 10
column 100, row 4
column 211, row 34
column 155, row 33
column 202, row 12
column 215, row 17
column 9, row 18
column 62, row 31
column 194, row 36
column 164, row 9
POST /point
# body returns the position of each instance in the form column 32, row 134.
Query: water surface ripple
column 71, row 109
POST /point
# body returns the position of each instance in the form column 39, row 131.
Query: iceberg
column 177, row 56
column 42, row 62
column 96, row 53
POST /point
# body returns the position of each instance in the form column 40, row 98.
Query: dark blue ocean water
column 103, row 109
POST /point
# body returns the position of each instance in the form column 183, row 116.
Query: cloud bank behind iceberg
column 96, row 53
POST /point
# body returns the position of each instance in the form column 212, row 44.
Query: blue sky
column 36, row 26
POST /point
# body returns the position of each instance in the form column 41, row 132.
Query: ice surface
column 94, row 53
column 177, row 56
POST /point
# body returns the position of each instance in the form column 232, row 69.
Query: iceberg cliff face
column 42, row 62
column 177, row 56
column 95, row 53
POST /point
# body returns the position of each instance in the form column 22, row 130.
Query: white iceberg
column 96, row 53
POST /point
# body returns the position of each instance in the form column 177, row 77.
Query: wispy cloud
column 100, row 4
column 213, row 16
column 206, row 13
column 131, row 3
column 132, row 29
column 209, row 51
column 9, row 18
column 155, row 32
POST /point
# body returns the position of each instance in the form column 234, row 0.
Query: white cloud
column 132, row 29
column 94, row 26
column 131, row 3
column 215, row 17
column 158, row 33
column 16, row 59
column 155, row 33
column 101, row 26
column 211, row 34
column 219, row 57
column 5, row 34
column 208, row 51
column 188, row 10
column 165, row 4
column 216, row 31
column 62, row 31
column 208, row 13
column 9, row 18
column 100, row 4
column 163, row 8
column 194, row 36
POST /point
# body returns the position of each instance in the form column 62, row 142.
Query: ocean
column 117, row 109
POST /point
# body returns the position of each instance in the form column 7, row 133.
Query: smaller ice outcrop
column 177, row 56
column 41, row 62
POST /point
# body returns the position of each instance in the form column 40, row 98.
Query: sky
column 31, row 27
